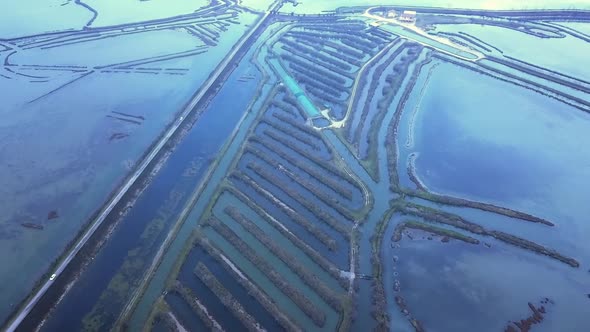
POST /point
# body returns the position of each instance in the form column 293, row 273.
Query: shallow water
column 31, row 17
column 533, row 157
column 564, row 55
column 493, row 285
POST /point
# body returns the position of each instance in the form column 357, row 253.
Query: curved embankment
column 456, row 221
column 422, row 192
column 92, row 10
column 392, row 141
column 412, row 173
column 461, row 202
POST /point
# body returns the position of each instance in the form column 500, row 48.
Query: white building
column 408, row 16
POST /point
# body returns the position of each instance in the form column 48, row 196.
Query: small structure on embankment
column 408, row 16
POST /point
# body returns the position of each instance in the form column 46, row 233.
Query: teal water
column 295, row 89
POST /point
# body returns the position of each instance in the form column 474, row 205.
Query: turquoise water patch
column 295, row 89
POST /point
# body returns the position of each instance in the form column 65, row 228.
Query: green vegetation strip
column 319, row 234
column 331, row 51
column 253, row 290
column 306, row 60
column 311, row 310
column 310, row 252
column 344, row 50
column 203, row 273
column 309, row 278
column 394, row 83
column 296, row 134
column 285, row 107
column 296, row 48
column 327, row 198
column 372, row 90
column 168, row 321
column 391, row 138
column 456, row 221
column 330, row 183
column 292, row 106
column 320, row 213
column 198, row 308
column 302, row 164
column 397, row 234
column 477, row 205
column 525, row 244
column 379, row 311
column 324, row 164
column 159, row 308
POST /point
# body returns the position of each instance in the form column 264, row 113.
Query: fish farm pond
column 279, row 165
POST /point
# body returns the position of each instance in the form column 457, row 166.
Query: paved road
column 107, row 209
column 422, row 33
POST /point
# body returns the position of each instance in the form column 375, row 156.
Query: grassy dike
column 304, row 247
column 318, row 233
column 253, row 290
column 445, row 233
column 125, row 315
column 310, row 309
column 203, row 273
column 329, row 296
